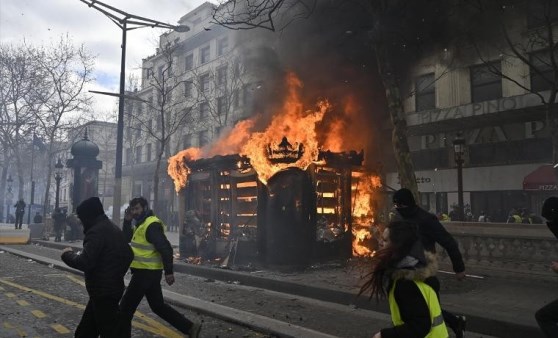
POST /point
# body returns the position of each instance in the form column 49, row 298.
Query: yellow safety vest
column 145, row 255
column 517, row 218
column 438, row 328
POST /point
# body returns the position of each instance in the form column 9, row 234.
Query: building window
column 128, row 156
column 150, row 126
column 486, row 82
column 221, row 105
column 149, row 73
column 136, row 191
column 218, row 130
column 189, row 62
column 204, row 110
column 138, row 154
column 203, row 138
column 148, row 153
column 138, row 130
column 222, row 46
column 541, row 71
column 204, row 83
column 161, row 70
column 188, row 88
column 222, row 76
column 204, row 55
column 187, row 141
column 425, row 92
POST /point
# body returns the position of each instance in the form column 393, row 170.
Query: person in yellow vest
column 414, row 306
column 152, row 254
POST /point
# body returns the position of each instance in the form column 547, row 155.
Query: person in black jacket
column 547, row 316
column 152, row 254
column 431, row 232
column 105, row 258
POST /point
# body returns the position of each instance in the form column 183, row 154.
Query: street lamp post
column 9, row 196
column 125, row 22
column 459, row 151
column 58, row 177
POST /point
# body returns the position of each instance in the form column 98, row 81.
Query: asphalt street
column 39, row 301
column 290, row 311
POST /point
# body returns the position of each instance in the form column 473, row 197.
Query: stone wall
column 522, row 250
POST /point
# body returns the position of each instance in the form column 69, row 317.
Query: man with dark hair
column 547, row 316
column 105, row 258
column 431, row 231
column 152, row 254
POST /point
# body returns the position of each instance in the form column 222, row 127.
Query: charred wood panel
column 247, row 191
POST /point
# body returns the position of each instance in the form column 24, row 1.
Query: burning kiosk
column 272, row 185
column 297, row 215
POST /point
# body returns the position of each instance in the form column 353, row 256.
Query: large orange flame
column 292, row 122
column 363, row 193
column 177, row 168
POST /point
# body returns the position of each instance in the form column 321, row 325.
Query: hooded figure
column 431, row 231
column 105, row 258
column 547, row 316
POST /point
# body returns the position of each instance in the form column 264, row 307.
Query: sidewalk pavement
column 494, row 305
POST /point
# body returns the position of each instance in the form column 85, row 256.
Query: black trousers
column 100, row 318
column 450, row 319
column 148, row 283
column 547, row 318
column 19, row 220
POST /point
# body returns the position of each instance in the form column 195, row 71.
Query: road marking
column 10, row 295
column 22, row 302
column 43, row 294
column 60, row 328
column 19, row 331
column 76, row 280
column 156, row 328
column 38, row 313
column 165, row 331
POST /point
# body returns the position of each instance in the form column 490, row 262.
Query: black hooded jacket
column 105, row 257
column 432, row 232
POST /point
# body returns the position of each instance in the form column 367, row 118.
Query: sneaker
column 461, row 326
column 194, row 331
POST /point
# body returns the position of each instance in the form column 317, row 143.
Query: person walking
column 19, row 211
column 431, row 231
column 547, row 316
column 152, row 254
column 399, row 271
column 104, row 259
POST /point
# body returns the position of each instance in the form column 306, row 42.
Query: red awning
column 541, row 179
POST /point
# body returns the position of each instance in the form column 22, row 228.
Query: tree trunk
column 156, row 178
column 400, row 144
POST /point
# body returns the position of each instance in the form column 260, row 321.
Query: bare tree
column 18, row 103
column 167, row 111
column 66, row 69
column 219, row 91
column 535, row 46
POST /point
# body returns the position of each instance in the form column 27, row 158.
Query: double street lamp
column 459, row 152
column 58, row 177
column 125, row 22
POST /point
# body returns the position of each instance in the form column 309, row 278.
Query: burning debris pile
column 277, row 189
